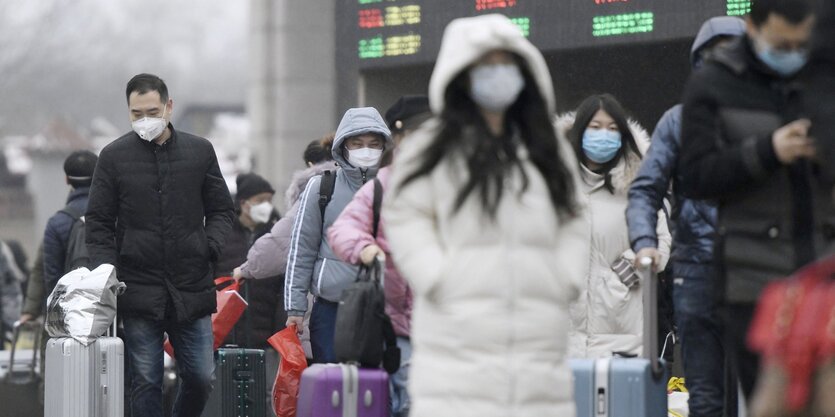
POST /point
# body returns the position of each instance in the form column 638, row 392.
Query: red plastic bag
column 230, row 308
column 290, row 367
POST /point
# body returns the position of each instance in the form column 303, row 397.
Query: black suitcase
column 240, row 388
column 20, row 392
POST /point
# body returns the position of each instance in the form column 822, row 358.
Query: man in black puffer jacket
column 160, row 211
column 745, row 144
column 820, row 102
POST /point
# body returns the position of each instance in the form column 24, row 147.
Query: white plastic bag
column 83, row 304
column 677, row 404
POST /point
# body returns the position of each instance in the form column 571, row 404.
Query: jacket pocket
column 195, row 246
column 613, row 305
column 331, row 277
column 127, row 249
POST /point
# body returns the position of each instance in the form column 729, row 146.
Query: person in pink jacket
column 351, row 238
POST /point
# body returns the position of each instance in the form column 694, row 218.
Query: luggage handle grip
column 38, row 326
column 650, row 297
column 104, row 401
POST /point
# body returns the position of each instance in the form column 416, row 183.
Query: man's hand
column 651, row 253
column 298, row 321
column 371, row 252
column 792, row 142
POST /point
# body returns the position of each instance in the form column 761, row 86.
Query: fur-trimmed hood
column 299, row 181
column 626, row 170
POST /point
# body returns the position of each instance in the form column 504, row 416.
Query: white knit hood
column 466, row 40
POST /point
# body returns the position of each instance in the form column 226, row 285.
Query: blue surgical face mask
column 785, row 63
column 601, row 145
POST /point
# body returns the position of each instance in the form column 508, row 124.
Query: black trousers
column 744, row 363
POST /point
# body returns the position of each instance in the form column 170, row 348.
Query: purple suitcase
column 339, row 390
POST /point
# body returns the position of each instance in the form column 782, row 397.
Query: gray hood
column 359, row 121
column 713, row 28
column 312, row 265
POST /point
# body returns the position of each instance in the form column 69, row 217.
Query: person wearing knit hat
column 253, row 198
column 78, row 171
column 407, row 114
column 265, row 311
column 79, row 167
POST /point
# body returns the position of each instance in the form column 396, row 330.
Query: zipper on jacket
column 364, row 175
column 587, row 309
column 514, row 243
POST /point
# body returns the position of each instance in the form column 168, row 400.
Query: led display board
column 381, row 33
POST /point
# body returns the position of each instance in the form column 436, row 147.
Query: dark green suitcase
column 240, row 387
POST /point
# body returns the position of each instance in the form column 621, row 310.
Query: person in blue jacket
column 78, row 167
column 698, row 324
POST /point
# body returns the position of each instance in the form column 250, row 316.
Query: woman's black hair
column 316, row 151
column 585, row 113
column 794, row 11
column 490, row 160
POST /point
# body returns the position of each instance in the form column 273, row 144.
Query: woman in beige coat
column 608, row 316
column 484, row 222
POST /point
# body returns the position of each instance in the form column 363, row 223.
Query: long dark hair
column 464, row 131
column 585, row 112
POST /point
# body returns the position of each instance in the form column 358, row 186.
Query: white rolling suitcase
column 85, row 381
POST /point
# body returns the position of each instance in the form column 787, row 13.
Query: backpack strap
column 73, row 212
column 326, row 186
column 378, row 201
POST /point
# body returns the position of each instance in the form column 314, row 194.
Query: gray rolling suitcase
column 626, row 387
column 85, row 381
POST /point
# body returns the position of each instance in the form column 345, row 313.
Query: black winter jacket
column 772, row 218
column 265, row 313
column 160, row 214
column 820, row 103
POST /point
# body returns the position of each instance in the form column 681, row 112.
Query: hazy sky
column 72, row 58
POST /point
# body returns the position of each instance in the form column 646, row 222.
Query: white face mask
column 260, row 213
column 149, row 128
column 365, row 157
column 495, row 87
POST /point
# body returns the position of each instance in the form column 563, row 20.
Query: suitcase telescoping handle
column 649, row 287
column 115, row 325
column 38, row 329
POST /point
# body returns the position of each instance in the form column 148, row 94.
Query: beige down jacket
column 491, row 314
column 608, row 316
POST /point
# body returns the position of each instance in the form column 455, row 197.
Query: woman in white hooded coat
column 484, row 221
column 608, row 316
